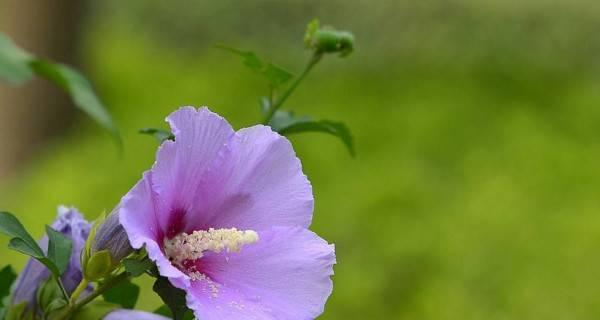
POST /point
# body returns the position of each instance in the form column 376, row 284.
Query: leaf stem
column 277, row 104
column 62, row 287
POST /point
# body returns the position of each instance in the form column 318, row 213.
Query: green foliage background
column 475, row 193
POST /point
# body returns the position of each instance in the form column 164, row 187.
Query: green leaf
column 160, row 134
column 284, row 119
column 166, row 312
column 12, row 227
column 98, row 265
column 137, row 267
column 59, row 249
column 24, row 247
column 18, row 66
column 249, row 58
column 287, row 123
column 7, row 277
column 96, row 310
column 56, row 307
column 18, row 312
column 276, row 75
column 14, row 62
column 48, row 293
column 125, row 294
column 80, row 91
column 173, row 297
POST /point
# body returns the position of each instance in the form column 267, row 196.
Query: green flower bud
column 328, row 40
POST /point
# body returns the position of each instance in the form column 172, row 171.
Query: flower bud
column 107, row 246
column 328, row 40
column 112, row 237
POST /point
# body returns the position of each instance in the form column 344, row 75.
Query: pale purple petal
column 138, row 216
column 285, row 275
column 72, row 224
column 199, row 136
column 126, row 314
column 257, row 183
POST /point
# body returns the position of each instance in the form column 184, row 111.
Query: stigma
column 190, row 247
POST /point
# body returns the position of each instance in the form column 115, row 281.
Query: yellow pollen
column 192, row 246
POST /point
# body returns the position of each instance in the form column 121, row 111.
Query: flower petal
column 199, row 135
column 125, row 314
column 139, row 217
column 256, row 183
column 285, row 275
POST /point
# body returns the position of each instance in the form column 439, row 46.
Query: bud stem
column 277, row 104
column 82, row 285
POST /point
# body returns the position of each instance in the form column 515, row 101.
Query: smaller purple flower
column 126, row 314
column 72, row 224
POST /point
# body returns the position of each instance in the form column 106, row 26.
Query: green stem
column 80, row 288
column 311, row 63
column 99, row 291
column 62, row 287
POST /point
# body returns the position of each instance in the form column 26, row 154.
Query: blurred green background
column 475, row 192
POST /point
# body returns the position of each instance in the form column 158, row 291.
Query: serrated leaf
column 137, row 267
column 276, row 75
column 173, row 297
column 80, row 90
column 59, row 249
column 160, row 134
column 14, row 62
column 125, row 294
column 7, row 277
column 96, row 310
column 287, row 123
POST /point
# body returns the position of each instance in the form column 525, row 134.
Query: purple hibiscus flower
column 72, row 224
column 224, row 215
